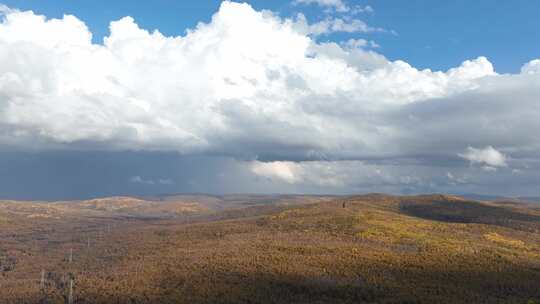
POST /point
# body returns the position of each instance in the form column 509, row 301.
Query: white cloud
column 230, row 87
column 360, row 43
column 288, row 172
column 353, row 175
column 362, row 9
column 336, row 174
column 6, row 10
column 456, row 179
column 139, row 180
column 489, row 157
column 489, row 168
column 337, row 5
column 472, row 69
column 332, row 25
column 532, row 67
column 165, row 181
column 319, row 173
column 388, row 177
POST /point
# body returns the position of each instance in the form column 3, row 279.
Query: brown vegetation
column 365, row 249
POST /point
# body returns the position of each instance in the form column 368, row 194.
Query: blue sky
column 431, row 34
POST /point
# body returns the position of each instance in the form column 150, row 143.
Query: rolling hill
column 270, row 249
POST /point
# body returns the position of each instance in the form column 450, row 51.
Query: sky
column 101, row 98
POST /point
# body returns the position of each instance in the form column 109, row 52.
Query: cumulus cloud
column 230, row 87
column 317, row 173
column 488, row 156
column 532, row 67
column 288, row 172
column 5, row 9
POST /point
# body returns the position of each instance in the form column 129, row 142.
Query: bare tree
column 70, row 291
column 42, row 281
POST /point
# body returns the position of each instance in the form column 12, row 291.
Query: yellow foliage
column 497, row 238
